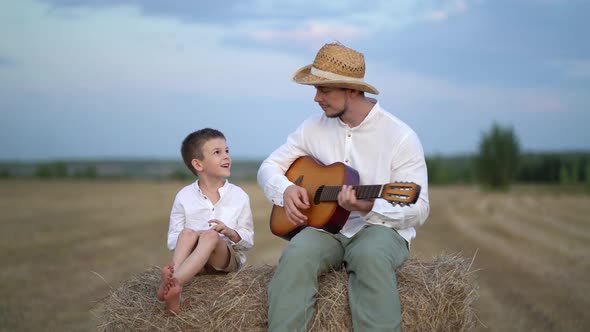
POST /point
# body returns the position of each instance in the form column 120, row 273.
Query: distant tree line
column 541, row 167
column 497, row 165
column 500, row 163
column 143, row 169
column 60, row 170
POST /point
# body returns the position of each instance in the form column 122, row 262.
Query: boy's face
column 216, row 161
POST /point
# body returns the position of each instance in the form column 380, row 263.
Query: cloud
column 117, row 50
column 413, row 89
column 84, row 44
column 7, row 61
column 371, row 14
column 458, row 6
column 310, row 31
column 438, row 15
column 575, row 69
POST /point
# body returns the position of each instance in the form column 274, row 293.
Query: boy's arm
column 177, row 221
column 245, row 227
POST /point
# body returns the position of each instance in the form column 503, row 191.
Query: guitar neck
column 330, row 193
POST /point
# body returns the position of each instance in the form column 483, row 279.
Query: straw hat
column 336, row 65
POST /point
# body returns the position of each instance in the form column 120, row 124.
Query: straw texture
column 435, row 296
column 340, row 60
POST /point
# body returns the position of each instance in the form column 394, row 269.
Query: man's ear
column 353, row 93
column 197, row 166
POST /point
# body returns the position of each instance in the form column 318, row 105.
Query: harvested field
column 64, row 245
column 532, row 248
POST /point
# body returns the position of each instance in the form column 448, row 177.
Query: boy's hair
column 192, row 146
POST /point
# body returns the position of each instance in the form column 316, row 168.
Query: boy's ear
column 196, row 163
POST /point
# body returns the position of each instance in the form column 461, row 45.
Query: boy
column 211, row 221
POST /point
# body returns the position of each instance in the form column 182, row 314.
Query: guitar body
column 328, row 216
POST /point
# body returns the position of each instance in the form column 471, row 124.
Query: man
column 356, row 131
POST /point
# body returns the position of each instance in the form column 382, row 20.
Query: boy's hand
column 222, row 228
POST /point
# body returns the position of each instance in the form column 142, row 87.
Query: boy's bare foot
column 167, row 272
column 172, row 297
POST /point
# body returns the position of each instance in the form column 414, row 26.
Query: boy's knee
column 209, row 235
column 187, row 232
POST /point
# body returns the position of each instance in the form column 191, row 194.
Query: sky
column 106, row 79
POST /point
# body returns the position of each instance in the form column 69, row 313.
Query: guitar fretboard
column 330, row 193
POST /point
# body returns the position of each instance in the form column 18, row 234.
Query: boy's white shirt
column 192, row 209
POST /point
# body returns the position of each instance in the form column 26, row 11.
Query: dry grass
column 533, row 253
column 65, row 245
column 435, row 296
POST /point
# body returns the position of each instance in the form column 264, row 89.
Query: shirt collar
column 221, row 190
column 376, row 109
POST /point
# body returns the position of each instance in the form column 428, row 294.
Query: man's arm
column 277, row 188
column 409, row 165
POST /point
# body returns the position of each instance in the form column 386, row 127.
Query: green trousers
column 370, row 258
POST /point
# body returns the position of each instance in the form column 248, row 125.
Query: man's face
column 333, row 101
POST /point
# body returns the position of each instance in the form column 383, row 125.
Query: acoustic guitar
column 323, row 183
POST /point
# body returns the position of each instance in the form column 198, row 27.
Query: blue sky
column 131, row 78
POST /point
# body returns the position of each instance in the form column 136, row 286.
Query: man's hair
column 192, row 146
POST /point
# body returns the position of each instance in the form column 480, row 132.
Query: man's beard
column 337, row 115
column 341, row 113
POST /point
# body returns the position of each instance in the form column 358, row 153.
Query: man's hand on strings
column 294, row 199
column 347, row 199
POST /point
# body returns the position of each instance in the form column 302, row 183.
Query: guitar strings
column 330, row 193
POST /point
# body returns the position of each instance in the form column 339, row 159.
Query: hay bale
column 435, row 296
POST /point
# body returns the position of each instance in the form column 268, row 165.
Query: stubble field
column 65, row 244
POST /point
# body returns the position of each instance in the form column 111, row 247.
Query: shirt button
column 349, row 135
column 346, row 161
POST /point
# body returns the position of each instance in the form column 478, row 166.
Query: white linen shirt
column 382, row 149
column 192, row 209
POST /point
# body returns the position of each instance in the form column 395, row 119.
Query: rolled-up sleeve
column 177, row 221
column 271, row 174
column 245, row 227
column 411, row 168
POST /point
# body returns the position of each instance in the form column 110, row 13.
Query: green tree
column 438, row 172
column 565, row 176
column 5, row 173
column 497, row 162
column 57, row 169
column 60, row 169
column 576, row 171
column 43, row 171
column 88, row 172
column 180, row 174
